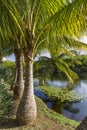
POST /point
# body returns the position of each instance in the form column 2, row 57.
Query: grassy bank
column 43, row 110
column 46, row 120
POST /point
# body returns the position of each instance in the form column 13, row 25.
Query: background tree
column 62, row 58
column 10, row 28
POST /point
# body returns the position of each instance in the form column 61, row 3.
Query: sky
column 11, row 57
column 84, row 39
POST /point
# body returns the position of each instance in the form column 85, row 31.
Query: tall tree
column 10, row 28
column 18, row 83
column 44, row 21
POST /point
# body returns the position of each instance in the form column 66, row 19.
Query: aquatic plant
column 62, row 94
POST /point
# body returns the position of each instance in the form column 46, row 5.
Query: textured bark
column 1, row 57
column 18, row 83
column 83, row 125
column 15, row 74
column 26, row 113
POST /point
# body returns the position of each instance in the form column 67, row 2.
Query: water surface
column 76, row 111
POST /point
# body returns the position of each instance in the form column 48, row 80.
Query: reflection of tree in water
column 58, row 106
column 68, row 107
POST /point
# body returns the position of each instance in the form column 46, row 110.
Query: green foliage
column 64, row 67
column 46, row 67
column 62, row 94
column 78, row 64
column 10, row 22
column 6, row 102
column 42, row 70
column 7, row 69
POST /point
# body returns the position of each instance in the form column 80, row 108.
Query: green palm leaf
column 10, row 22
column 61, row 65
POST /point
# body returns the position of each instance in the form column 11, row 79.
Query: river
column 76, row 111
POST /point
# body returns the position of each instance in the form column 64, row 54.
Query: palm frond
column 61, row 65
column 10, row 22
column 75, row 44
column 71, row 19
column 61, row 18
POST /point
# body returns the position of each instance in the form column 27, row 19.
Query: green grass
column 43, row 110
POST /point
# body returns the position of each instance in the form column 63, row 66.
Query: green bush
column 6, row 102
column 62, row 94
column 7, row 69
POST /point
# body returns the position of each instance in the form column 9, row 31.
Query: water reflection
column 67, row 109
column 82, row 106
column 76, row 111
column 81, row 87
column 57, row 83
column 57, row 106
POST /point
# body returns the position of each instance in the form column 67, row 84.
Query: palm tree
column 18, row 80
column 44, row 21
column 10, row 28
column 1, row 57
column 61, row 58
column 18, row 83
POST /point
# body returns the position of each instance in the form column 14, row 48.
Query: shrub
column 6, row 102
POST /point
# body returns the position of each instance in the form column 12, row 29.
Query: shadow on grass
column 10, row 123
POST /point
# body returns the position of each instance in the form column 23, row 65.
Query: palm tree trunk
column 19, row 83
column 1, row 57
column 13, row 85
column 26, row 113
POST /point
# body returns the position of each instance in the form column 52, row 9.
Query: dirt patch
column 42, row 123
